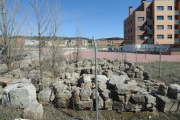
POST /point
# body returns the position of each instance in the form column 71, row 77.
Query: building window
column 131, row 21
column 148, row 27
column 169, row 27
column 141, row 37
column 148, row 18
column 169, row 7
column 160, row 27
column 169, row 37
column 148, row 9
column 131, row 29
column 160, row 17
column 140, row 18
column 169, row 17
column 140, row 28
column 160, row 36
column 160, row 7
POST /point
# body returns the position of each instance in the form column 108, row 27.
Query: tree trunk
column 40, row 61
column 53, row 62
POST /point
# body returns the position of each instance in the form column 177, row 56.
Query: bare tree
column 78, row 44
column 42, row 13
column 48, row 18
column 56, row 22
column 11, row 22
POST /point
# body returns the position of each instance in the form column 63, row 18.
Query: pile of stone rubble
column 122, row 86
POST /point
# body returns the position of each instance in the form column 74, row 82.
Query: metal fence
column 77, row 85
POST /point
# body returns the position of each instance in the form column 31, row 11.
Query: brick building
column 158, row 20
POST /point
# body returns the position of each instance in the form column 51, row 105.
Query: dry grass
column 169, row 71
column 52, row 113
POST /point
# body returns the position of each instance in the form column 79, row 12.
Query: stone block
column 100, row 103
column 136, row 70
column 139, row 99
column 45, row 96
column 105, row 94
column 115, row 79
column 108, row 104
column 84, row 105
column 150, row 99
column 118, row 106
column 164, row 104
column 162, row 90
column 102, row 87
column 121, row 98
column 174, row 91
column 85, row 93
column 102, row 78
column 63, row 98
column 34, row 111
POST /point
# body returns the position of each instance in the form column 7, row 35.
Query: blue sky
column 99, row 18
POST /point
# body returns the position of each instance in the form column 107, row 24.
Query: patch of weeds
column 169, row 71
column 4, row 118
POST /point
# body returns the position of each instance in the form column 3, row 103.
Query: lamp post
column 145, row 38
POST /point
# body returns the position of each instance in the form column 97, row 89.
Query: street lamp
column 145, row 38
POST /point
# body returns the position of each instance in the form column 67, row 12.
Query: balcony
column 150, row 41
column 176, row 40
column 176, row 31
column 176, row 22
column 150, row 22
column 176, row 12
column 150, row 31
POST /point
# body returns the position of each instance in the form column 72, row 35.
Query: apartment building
column 108, row 42
column 79, row 42
column 158, row 20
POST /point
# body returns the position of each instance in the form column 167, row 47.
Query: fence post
column 96, row 78
column 92, row 50
column 122, row 52
column 136, row 53
column 159, row 61
column 145, row 40
column 125, row 53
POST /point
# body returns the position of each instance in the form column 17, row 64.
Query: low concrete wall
column 143, row 52
column 170, row 53
column 162, row 53
column 141, row 47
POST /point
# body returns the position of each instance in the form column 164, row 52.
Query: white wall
column 141, row 47
column 31, row 43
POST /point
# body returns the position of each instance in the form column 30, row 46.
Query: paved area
column 129, row 56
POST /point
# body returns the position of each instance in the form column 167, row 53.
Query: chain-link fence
column 143, row 84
